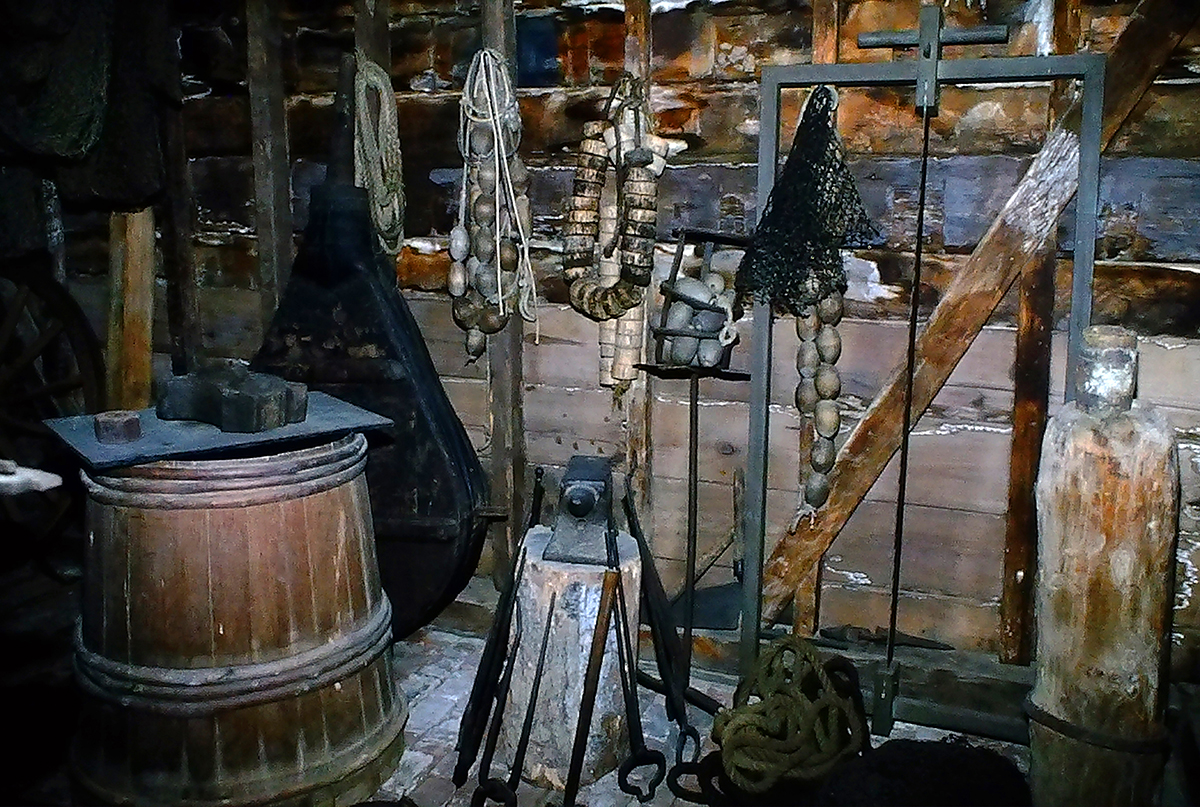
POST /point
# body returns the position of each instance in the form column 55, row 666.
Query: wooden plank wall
column 706, row 60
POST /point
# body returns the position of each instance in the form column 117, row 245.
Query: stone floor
column 435, row 669
column 435, row 672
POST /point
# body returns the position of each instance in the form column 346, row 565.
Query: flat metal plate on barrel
column 170, row 439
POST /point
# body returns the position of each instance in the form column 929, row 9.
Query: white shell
column 684, row 350
column 806, row 396
column 830, row 308
column 807, row 359
column 715, row 281
column 457, row 282
column 807, row 324
column 679, row 315
column 693, row 289
column 460, row 243
column 828, row 382
column 829, row 344
column 827, row 418
column 709, row 353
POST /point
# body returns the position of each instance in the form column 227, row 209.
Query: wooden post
column 272, row 169
column 179, row 255
column 371, row 33
column 1021, row 231
column 1108, row 512
column 505, row 353
column 131, row 309
column 1031, row 396
column 636, row 399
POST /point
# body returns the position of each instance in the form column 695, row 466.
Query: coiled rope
column 806, row 716
column 378, row 165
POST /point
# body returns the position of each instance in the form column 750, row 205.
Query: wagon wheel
column 50, row 366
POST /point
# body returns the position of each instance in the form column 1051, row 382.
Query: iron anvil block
column 233, row 399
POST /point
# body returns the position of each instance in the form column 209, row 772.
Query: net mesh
column 814, row 211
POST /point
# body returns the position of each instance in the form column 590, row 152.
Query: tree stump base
column 577, row 587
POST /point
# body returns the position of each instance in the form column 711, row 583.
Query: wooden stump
column 577, row 587
column 1107, row 500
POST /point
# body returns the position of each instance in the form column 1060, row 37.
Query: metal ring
column 1154, row 745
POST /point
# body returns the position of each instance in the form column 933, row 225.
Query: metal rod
column 754, row 520
column 591, row 682
column 981, row 35
column 914, row 305
column 689, row 580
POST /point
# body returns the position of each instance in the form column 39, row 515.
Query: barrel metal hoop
column 166, row 495
column 206, row 690
column 1101, row 739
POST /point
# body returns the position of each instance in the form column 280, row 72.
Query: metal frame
column 1089, row 67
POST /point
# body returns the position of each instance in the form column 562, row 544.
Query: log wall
column 706, row 60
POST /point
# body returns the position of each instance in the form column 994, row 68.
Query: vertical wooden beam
column 179, row 255
column 505, row 354
column 131, row 309
column 636, row 399
column 272, row 169
column 1031, row 396
column 371, row 32
column 827, row 22
column 827, row 28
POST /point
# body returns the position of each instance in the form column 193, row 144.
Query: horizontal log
column 962, row 623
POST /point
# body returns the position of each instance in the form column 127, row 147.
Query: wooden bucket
column 234, row 641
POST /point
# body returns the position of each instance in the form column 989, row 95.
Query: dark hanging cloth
column 814, row 211
column 83, row 85
column 125, row 169
column 54, row 59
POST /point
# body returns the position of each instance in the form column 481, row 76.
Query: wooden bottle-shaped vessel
column 1108, row 506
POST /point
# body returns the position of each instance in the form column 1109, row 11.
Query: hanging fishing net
column 814, row 211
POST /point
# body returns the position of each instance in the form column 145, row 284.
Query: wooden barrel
column 234, row 641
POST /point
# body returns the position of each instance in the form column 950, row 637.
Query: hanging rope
column 806, row 716
column 378, row 165
column 491, row 274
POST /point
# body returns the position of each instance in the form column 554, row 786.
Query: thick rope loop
column 378, row 164
column 791, row 719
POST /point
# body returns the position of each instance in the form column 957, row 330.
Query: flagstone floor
column 435, row 669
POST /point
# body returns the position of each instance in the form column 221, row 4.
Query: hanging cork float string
column 619, row 143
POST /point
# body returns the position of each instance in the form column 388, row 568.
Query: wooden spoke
column 32, row 352
column 49, row 390
column 15, row 308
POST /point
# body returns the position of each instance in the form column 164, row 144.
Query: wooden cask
column 234, row 644
column 1108, row 504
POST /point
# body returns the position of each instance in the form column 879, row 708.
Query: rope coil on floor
column 805, row 717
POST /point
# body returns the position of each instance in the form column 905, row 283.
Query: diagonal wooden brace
column 1014, row 243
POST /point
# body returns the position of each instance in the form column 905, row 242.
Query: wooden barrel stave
column 229, row 595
